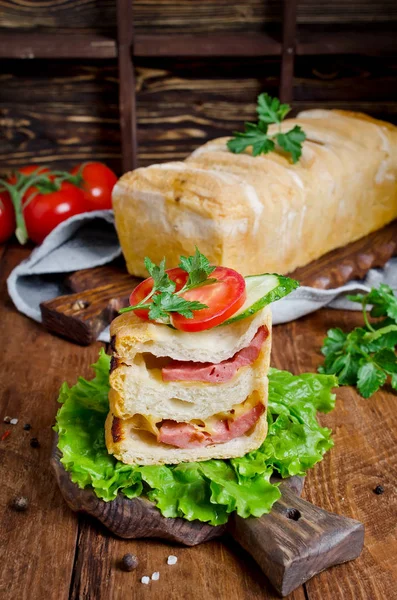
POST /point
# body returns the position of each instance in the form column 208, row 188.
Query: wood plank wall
column 63, row 112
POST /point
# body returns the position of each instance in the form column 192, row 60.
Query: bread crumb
column 172, row 560
column 145, row 580
column 156, row 576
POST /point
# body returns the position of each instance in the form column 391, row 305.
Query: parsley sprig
column 270, row 111
column 163, row 299
column 366, row 357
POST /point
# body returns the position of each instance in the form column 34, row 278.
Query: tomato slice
column 223, row 299
column 144, row 288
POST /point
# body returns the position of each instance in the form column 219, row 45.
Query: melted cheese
column 151, row 424
column 231, row 415
column 146, row 423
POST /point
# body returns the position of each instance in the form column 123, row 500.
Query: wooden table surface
column 49, row 553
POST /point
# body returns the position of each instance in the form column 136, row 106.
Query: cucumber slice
column 261, row 291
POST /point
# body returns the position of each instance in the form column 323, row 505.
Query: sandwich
column 198, row 389
column 211, row 404
column 187, row 411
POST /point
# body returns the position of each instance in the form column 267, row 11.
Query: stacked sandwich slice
column 177, row 396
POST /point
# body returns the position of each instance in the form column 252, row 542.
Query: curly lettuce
column 208, row 491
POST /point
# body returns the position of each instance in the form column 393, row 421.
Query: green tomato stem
column 23, row 182
column 20, row 231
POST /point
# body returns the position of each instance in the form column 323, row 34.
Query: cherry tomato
column 143, row 289
column 28, row 170
column 45, row 211
column 7, row 217
column 98, row 184
column 223, row 299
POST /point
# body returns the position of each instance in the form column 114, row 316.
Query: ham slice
column 178, row 370
column 186, row 435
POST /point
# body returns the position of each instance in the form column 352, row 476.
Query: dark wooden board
column 48, row 552
column 291, row 544
column 99, row 293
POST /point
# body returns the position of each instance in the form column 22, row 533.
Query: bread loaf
column 263, row 214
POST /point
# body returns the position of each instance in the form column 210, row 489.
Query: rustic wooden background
column 65, row 111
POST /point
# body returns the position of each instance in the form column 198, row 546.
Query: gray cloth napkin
column 90, row 240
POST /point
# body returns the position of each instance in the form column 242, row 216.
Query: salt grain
column 14, row 421
column 156, row 576
column 172, row 560
column 145, row 580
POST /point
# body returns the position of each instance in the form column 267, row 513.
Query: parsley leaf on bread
column 270, row 111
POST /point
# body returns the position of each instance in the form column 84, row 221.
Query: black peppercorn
column 20, row 503
column 27, row 427
column 294, row 514
column 34, row 442
column 129, row 562
column 379, row 490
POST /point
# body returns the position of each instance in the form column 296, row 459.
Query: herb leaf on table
column 365, row 357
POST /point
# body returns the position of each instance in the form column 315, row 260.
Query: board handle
column 297, row 540
column 80, row 317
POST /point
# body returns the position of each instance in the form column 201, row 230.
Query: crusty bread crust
column 132, row 335
column 258, row 214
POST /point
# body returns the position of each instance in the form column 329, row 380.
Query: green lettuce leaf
column 208, row 491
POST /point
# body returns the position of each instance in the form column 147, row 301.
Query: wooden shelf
column 311, row 41
column 239, row 44
column 49, row 45
column 52, row 45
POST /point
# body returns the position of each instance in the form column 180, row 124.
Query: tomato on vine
column 44, row 211
column 7, row 217
column 34, row 200
column 97, row 184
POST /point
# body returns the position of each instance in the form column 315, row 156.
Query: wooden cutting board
column 291, row 544
column 96, row 295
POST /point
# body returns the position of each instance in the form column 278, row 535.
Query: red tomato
column 98, row 184
column 28, row 170
column 45, row 211
column 223, row 298
column 143, row 289
column 7, row 217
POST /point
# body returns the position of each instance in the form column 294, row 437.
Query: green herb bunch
column 366, row 357
column 163, row 299
column 270, row 111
